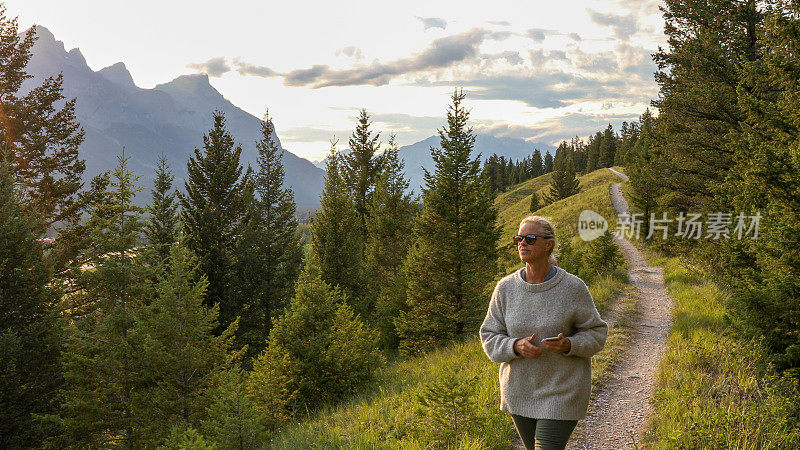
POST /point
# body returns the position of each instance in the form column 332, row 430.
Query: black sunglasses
column 530, row 239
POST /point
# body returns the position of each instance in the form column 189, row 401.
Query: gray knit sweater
column 553, row 386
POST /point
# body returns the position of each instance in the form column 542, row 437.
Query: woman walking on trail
column 543, row 327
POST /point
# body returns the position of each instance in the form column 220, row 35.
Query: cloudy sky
column 537, row 70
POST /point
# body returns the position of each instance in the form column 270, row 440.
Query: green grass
column 514, row 204
column 385, row 414
column 564, row 213
column 714, row 387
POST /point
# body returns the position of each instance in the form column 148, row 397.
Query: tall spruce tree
column 391, row 216
column 361, row 167
column 548, row 162
column 214, row 210
column 180, row 359
column 336, row 237
column 270, row 254
column 593, row 152
column 608, row 148
column 643, row 172
column 537, row 164
column 296, row 374
column 101, row 371
column 161, row 228
column 565, row 182
column 454, row 257
column 41, row 130
column 30, row 332
column 698, row 75
column 765, row 271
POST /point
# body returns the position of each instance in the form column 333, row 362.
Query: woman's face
column 537, row 251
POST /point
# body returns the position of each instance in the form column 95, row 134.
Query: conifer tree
column 765, row 271
column 270, row 253
column 162, row 227
column 451, row 410
column 233, row 418
column 698, row 74
column 608, row 148
column 593, row 152
column 534, row 203
column 643, row 171
column 180, row 358
column 41, row 130
column 101, row 372
column 565, row 182
column 548, row 162
column 537, row 164
column 361, row 167
column 213, row 213
column 454, row 257
column 336, row 238
column 578, row 154
column 30, row 333
column 389, row 224
column 295, row 373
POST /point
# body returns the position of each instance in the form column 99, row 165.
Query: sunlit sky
column 541, row 71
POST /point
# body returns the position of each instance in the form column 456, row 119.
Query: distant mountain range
column 170, row 118
column 417, row 156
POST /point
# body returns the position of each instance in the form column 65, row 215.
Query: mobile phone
column 554, row 338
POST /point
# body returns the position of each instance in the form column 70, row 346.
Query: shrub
column 317, row 353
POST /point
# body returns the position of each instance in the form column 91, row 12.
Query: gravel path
column 619, row 413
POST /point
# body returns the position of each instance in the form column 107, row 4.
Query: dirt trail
column 618, row 415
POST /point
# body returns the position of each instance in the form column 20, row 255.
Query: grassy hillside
column 715, row 388
column 387, row 414
column 514, row 204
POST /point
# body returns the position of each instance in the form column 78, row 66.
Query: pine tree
column 101, row 371
column 593, row 152
column 214, row 210
column 765, row 271
column 360, row 168
column 180, row 358
column 270, row 253
column 454, row 256
column 565, row 182
column 579, row 157
column 608, row 148
column 318, row 352
column 41, row 130
column 451, row 410
column 336, row 238
column 162, row 227
column 389, row 224
column 232, row 418
column 537, row 164
column 643, row 172
column 30, row 332
column 698, row 75
column 534, row 203
column 548, row 162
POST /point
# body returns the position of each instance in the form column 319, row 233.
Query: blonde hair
column 548, row 232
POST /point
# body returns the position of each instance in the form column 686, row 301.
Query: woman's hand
column 526, row 348
column 562, row 345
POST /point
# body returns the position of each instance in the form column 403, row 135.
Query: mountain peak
column 43, row 34
column 117, row 73
column 188, row 84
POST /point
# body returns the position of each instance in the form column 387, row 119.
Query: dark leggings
column 543, row 434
